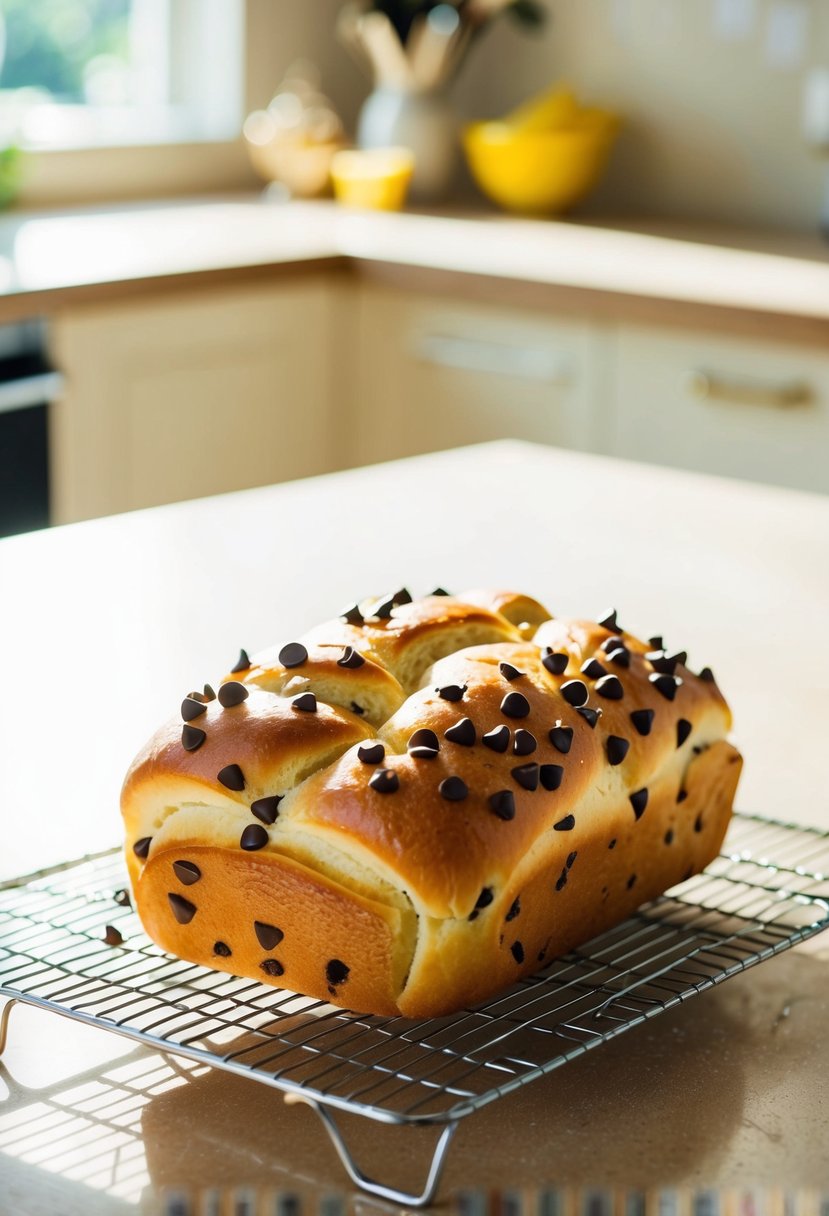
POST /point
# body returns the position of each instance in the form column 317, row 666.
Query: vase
column 422, row 121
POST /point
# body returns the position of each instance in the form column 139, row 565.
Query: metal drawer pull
column 493, row 358
column 709, row 386
column 30, row 390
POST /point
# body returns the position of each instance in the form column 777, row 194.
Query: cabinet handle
column 710, row 386
column 493, row 358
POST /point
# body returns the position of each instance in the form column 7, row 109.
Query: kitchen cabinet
column 741, row 408
column 190, row 393
column 433, row 372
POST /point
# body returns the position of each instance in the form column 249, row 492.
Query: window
column 80, row 73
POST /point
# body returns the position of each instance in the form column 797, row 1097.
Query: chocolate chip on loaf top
column 421, row 801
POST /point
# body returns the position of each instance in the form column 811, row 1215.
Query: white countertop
column 103, row 626
column 49, row 254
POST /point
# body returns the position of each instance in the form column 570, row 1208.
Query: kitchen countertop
column 103, row 624
column 49, row 259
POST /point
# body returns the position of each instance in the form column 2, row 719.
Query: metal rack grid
column 766, row 892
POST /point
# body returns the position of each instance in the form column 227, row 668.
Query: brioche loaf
column 422, row 801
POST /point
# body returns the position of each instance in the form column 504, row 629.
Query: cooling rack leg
column 368, row 1184
column 4, row 1023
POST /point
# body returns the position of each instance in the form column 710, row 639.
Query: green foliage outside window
column 48, row 43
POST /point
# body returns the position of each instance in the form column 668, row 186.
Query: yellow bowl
column 540, row 172
column 374, row 178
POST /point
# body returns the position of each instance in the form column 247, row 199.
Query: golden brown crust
column 454, row 870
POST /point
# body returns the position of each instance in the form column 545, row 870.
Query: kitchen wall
column 714, row 127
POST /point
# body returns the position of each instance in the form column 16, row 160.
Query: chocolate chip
column 384, row 781
column 631, row 881
column 350, row 658
column 463, row 733
column 556, row 664
column 502, row 804
column 403, row 596
column 231, row 777
column 209, row 694
column 642, row 719
column 515, row 705
column 571, row 857
column 591, row 716
column 509, row 672
column 183, row 910
column 383, row 610
column 451, row 692
column 232, row 693
column 268, row 936
column 667, row 663
column 593, row 669
column 639, row 800
column 617, row 749
column 496, row 739
column 192, row 737
column 561, row 881
column 698, row 823
column 656, row 642
column 371, row 753
column 565, row 825
column 665, row 684
column 191, row 708
column 306, row 702
column 122, row 898
column 683, row 730
column 267, row 809
column 561, row 738
column 187, row 872
column 669, row 836
column 612, row 844
column 515, row 910
column 620, row 656
column 439, row 591
column 551, row 776
column 242, row 663
column 424, row 738
column 352, row 614
column 222, row 949
column 336, row 972
column 517, row 951
column 272, row 966
column 574, row 692
column 707, row 675
column 293, row 654
column 609, row 621
column 453, row 789
column 141, row 848
column 524, row 743
column 681, row 796
column 112, row 936
column 483, row 901
column 527, row 776
column 614, row 642
column 610, row 687
column 357, row 709
column 254, row 837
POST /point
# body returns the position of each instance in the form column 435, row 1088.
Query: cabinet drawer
column 435, row 373
column 742, row 409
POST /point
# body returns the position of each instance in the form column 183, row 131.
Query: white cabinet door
column 742, row 408
column 436, row 373
column 188, row 394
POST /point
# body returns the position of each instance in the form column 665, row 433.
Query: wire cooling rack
column 767, row 891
